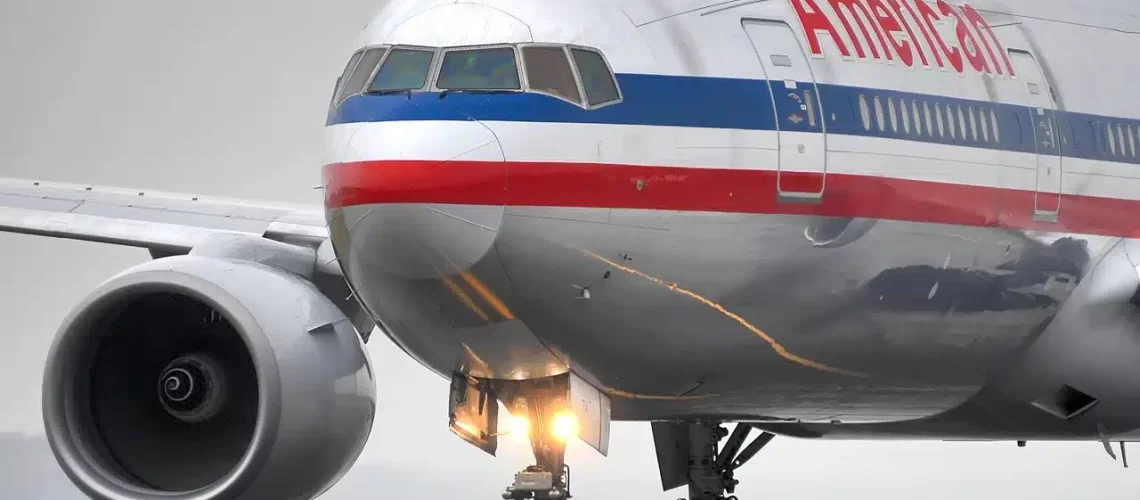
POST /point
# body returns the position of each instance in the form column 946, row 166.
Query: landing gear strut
column 542, row 403
column 549, row 411
column 689, row 454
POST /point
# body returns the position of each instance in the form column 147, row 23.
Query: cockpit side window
column 338, row 91
column 597, row 79
column 404, row 69
column 548, row 70
column 363, row 71
column 479, row 69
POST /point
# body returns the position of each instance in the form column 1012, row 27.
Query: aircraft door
column 1046, row 135
column 802, row 171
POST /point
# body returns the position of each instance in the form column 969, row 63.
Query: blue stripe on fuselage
column 732, row 103
column 648, row 100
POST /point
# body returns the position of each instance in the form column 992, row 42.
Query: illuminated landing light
column 565, row 427
column 519, row 428
column 468, row 428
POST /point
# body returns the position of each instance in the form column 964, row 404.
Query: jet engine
column 197, row 378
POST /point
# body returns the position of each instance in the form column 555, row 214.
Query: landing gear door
column 1038, row 97
column 474, row 412
column 798, row 111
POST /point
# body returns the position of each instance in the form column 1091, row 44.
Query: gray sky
column 228, row 98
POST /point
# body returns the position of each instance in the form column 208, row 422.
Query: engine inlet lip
column 66, row 388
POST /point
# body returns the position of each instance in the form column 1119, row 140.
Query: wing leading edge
column 166, row 223
column 170, row 224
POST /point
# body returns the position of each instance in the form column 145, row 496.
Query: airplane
column 817, row 219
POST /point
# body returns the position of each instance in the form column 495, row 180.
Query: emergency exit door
column 1046, row 135
column 802, row 170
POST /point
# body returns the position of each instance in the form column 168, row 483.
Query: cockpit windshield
column 578, row 75
column 479, row 69
column 548, row 71
column 361, row 72
column 404, row 69
column 596, row 77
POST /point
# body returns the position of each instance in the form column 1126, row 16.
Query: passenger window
column 891, row 111
column 363, row 71
column 962, row 122
column 929, row 120
column 1120, row 138
column 404, row 69
column 1111, row 139
column 985, row 125
column 994, row 124
column 338, row 91
column 879, row 119
column 950, row 121
column 1132, row 140
column 865, row 112
column 917, row 118
column 938, row 120
column 479, row 69
column 905, row 113
column 1095, row 137
column 597, row 79
column 548, row 70
column 1102, row 137
column 973, row 123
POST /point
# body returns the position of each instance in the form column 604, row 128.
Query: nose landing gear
column 545, row 407
column 549, row 411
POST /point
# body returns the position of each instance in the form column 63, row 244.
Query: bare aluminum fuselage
column 484, row 259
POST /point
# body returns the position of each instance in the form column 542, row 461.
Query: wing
column 172, row 224
column 165, row 223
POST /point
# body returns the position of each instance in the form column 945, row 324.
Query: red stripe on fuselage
column 593, row 185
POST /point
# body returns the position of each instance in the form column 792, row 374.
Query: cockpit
column 575, row 74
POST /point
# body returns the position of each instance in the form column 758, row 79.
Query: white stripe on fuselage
column 721, row 148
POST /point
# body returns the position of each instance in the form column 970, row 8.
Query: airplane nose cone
column 417, row 200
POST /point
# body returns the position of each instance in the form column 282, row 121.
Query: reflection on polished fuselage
column 714, row 212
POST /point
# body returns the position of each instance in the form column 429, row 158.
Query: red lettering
column 896, row 7
column 813, row 21
column 966, row 40
column 986, row 33
column 890, row 25
column 928, row 17
column 855, row 7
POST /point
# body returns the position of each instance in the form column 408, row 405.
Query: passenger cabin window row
column 916, row 118
column 579, row 75
column 1116, row 140
column 988, row 125
column 582, row 76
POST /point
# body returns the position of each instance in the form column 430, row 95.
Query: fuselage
column 804, row 210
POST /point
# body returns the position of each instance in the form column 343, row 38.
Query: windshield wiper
column 443, row 93
column 390, row 91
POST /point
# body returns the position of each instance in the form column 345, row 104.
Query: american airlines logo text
column 906, row 30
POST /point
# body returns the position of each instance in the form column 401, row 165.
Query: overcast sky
column 228, row 98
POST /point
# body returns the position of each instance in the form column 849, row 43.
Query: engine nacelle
column 198, row 378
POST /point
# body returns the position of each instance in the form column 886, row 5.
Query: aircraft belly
column 736, row 315
column 742, row 314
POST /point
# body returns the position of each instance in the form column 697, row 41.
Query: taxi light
column 565, row 426
column 519, row 427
